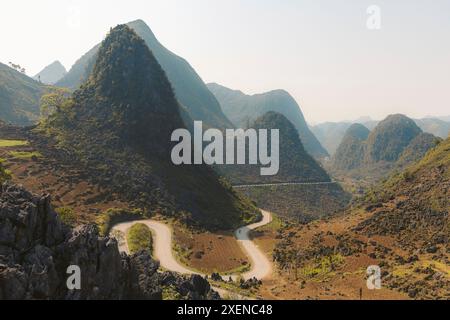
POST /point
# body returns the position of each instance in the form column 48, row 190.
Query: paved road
column 283, row 184
column 261, row 267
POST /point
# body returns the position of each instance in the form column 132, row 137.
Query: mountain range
column 51, row 73
column 189, row 88
column 243, row 110
column 330, row 134
column 117, row 127
column 394, row 143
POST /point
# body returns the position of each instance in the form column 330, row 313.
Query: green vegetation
column 67, row 215
column 390, row 137
column 25, row 154
column 296, row 164
column 323, row 266
column 244, row 109
column 113, row 216
column 12, row 143
column 190, row 90
column 300, row 202
column 127, row 149
column 139, row 238
column 350, row 153
column 170, row 293
column 4, row 173
column 54, row 100
column 19, row 97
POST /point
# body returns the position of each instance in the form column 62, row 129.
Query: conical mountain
column 243, row 109
column 189, row 88
column 118, row 128
column 51, row 73
column 350, row 153
column 295, row 164
column 390, row 137
column 19, row 97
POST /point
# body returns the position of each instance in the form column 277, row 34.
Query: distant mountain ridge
column 51, row 73
column 330, row 134
column 295, row 164
column 189, row 88
column 244, row 109
column 393, row 144
column 350, row 153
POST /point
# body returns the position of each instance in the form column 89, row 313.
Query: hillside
column 37, row 249
column 420, row 194
column 19, row 97
column 296, row 165
column 117, row 129
column 189, row 88
column 301, row 202
column 244, row 109
column 51, row 73
column 350, row 153
column 390, row 137
column 330, row 134
column 417, row 149
column 401, row 225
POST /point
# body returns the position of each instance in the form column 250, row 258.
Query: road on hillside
column 261, row 267
column 283, row 184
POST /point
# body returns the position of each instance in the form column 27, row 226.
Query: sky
column 340, row 59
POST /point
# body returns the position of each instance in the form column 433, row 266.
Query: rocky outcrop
column 36, row 249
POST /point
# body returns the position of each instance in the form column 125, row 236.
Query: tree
column 53, row 101
column 17, row 67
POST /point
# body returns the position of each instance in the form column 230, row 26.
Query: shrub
column 67, row 215
column 4, row 174
column 115, row 215
column 139, row 238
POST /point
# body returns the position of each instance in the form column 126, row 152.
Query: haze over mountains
column 244, row 109
column 189, row 88
column 51, row 73
column 395, row 142
column 295, row 164
column 118, row 127
column 330, row 134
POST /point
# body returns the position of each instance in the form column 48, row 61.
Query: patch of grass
column 115, row 215
column 170, row 293
column 139, row 238
column 25, row 154
column 323, row 266
column 4, row 173
column 67, row 215
column 12, row 143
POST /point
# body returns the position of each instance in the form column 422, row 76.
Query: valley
column 159, row 186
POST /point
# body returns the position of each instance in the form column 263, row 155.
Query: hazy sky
column 321, row 51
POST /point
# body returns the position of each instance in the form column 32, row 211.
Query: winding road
column 261, row 267
column 283, row 184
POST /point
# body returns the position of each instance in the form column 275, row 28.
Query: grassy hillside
column 390, row 137
column 295, row 164
column 19, row 97
column 350, row 153
column 402, row 226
